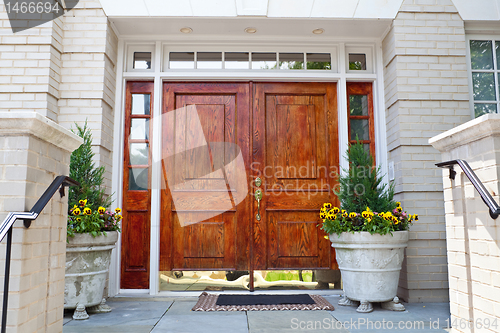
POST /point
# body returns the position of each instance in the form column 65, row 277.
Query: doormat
column 208, row 302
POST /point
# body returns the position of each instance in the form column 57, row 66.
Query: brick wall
column 31, row 157
column 426, row 93
column 473, row 237
column 30, row 64
column 88, row 77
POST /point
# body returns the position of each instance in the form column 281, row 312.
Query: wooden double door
column 218, row 140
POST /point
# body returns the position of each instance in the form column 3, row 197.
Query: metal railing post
column 6, row 282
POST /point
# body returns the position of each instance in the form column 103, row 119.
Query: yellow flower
column 352, row 215
column 322, row 215
column 365, row 214
column 369, row 220
column 101, row 210
column 399, row 209
column 76, row 211
column 398, row 203
column 410, row 217
column 118, row 217
column 336, row 210
column 333, row 217
column 87, row 211
column 381, row 214
column 82, row 202
column 118, row 210
column 368, row 209
column 415, row 217
column 78, row 219
column 343, row 211
column 75, row 206
column 344, row 214
column 326, row 237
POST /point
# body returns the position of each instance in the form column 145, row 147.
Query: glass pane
column 291, row 61
column 481, row 54
column 138, row 179
column 366, row 146
column 181, row 60
column 358, row 105
column 263, row 60
column 359, row 129
column 139, row 153
column 483, row 85
column 142, row 60
column 480, row 109
column 209, row 60
column 236, row 60
column 497, row 50
column 141, row 103
column 357, row 61
column 139, row 129
column 319, row 61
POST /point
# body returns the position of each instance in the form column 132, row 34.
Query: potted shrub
column 92, row 232
column 369, row 232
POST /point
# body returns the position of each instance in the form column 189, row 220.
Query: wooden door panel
column 203, row 224
column 295, row 149
column 136, row 192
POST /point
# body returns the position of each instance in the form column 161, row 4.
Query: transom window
column 250, row 60
column 484, row 61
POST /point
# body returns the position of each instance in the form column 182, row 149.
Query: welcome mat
column 208, row 302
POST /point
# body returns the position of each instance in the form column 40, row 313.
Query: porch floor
column 173, row 314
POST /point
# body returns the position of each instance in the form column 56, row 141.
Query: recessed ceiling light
column 186, row 30
column 318, row 31
column 250, row 30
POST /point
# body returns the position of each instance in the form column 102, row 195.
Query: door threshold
column 124, row 293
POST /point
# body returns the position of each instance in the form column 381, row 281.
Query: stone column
column 33, row 151
column 472, row 236
column 426, row 93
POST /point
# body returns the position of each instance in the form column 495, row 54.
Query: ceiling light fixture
column 186, row 30
column 250, row 30
column 318, row 31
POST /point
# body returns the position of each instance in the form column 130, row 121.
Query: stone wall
column 33, row 151
column 426, row 93
column 473, row 237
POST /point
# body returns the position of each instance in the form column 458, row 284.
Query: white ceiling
column 234, row 27
column 347, row 18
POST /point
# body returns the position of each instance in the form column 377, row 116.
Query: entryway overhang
column 210, row 28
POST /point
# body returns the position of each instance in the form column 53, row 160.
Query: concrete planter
column 370, row 266
column 87, row 266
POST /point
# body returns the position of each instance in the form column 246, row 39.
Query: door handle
column 258, row 197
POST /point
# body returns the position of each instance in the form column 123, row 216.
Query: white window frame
column 339, row 73
column 495, row 71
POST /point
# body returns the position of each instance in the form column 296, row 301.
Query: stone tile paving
column 159, row 315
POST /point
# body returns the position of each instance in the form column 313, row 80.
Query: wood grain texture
column 135, row 248
column 295, row 150
column 199, row 187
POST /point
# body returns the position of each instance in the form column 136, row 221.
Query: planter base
column 344, row 301
column 393, row 305
column 101, row 308
column 80, row 312
column 365, row 307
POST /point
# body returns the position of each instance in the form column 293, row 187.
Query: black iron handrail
column 6, row 229
column 494, row 208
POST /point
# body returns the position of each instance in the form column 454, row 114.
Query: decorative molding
column 474, row 130
column 33, row 123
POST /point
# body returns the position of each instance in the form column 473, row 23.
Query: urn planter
column 87, row 266
column 370, row 267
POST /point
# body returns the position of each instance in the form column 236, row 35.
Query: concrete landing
column 160, row 314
